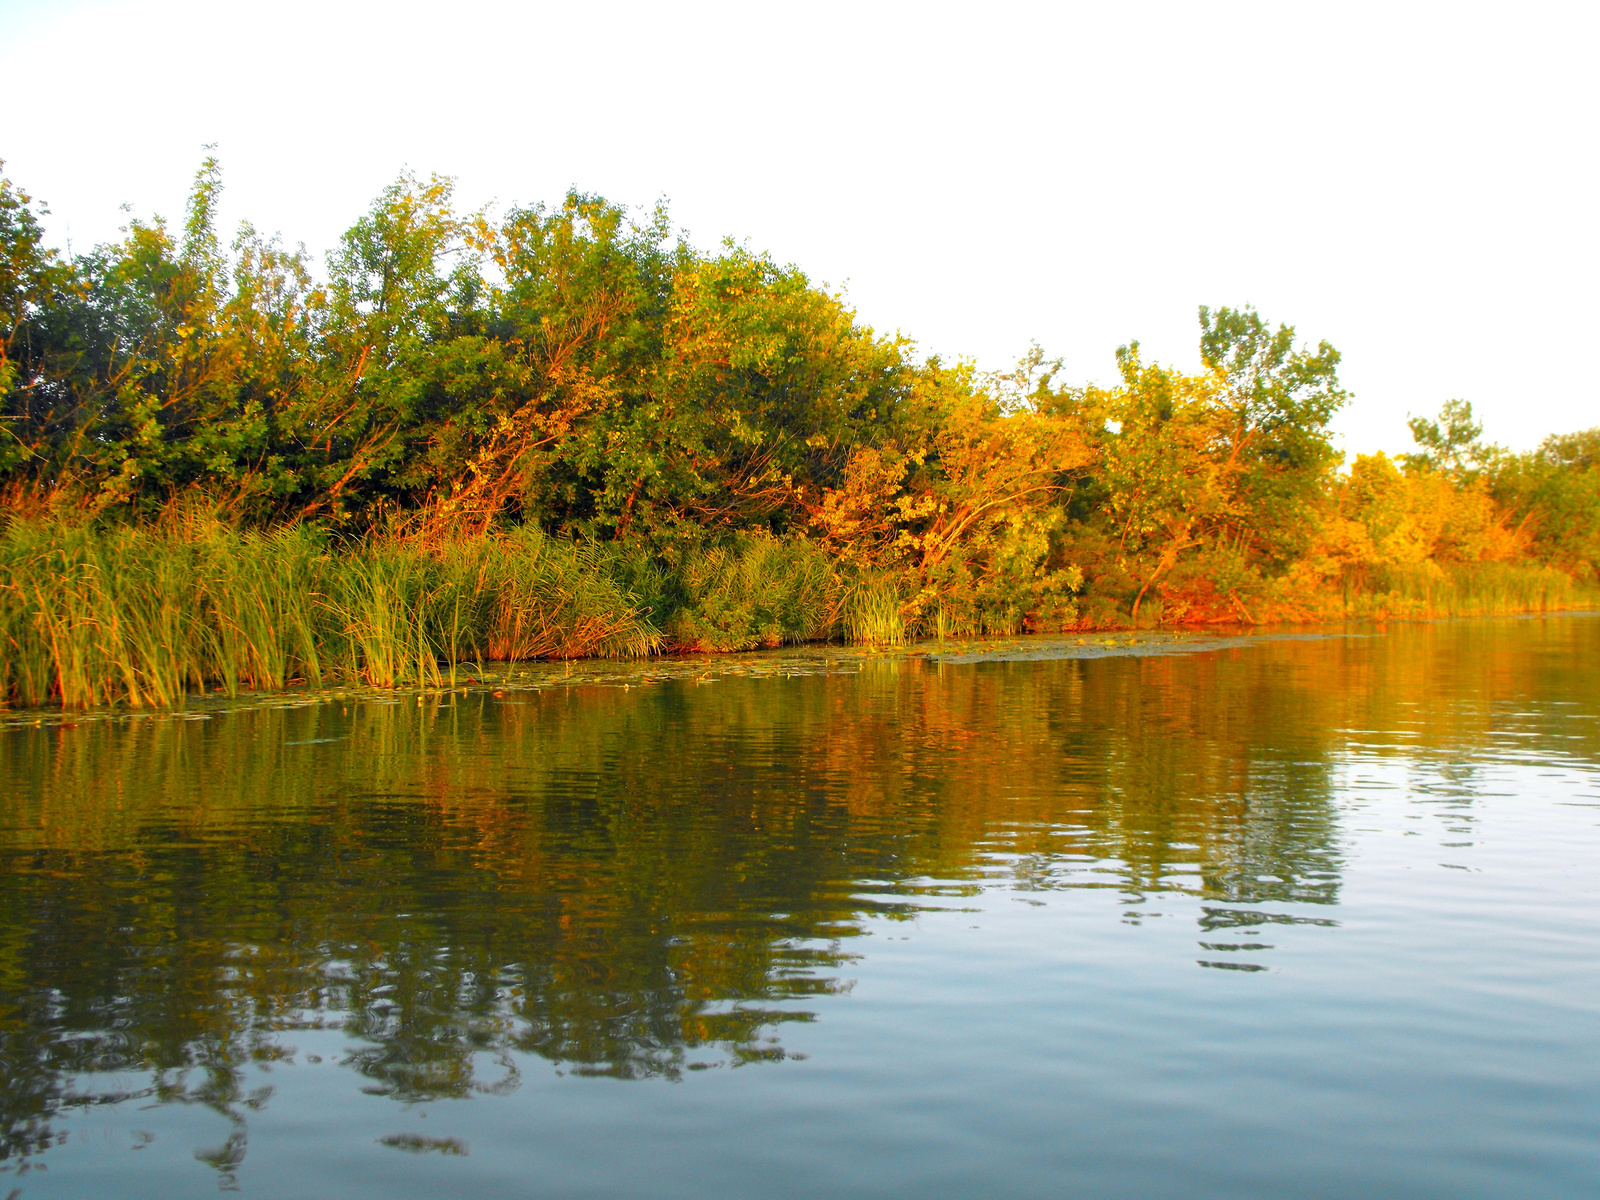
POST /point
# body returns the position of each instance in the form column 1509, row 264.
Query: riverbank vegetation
column 562, row 432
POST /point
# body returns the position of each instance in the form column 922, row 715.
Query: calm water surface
column 1304, row 917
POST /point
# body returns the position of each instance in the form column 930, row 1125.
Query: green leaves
column 1449, row 444
column 33, row 279
column 1274, row 386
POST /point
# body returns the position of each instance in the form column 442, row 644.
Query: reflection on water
column 672, row 878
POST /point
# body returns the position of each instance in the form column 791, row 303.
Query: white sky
column 1415, row 183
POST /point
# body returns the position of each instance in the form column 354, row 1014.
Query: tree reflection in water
column 640, row 882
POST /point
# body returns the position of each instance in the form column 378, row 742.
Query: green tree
column 402, row 345
column 1448, row 444
column 1554, row 494
column 1279, row 399
column 33, row 279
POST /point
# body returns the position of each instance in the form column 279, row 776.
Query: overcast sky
column 1414, row 183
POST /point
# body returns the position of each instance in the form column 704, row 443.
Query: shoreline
column 706, row 667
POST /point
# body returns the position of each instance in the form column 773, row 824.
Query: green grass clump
column 523, row 594
column 875, row 613
column 752, row 590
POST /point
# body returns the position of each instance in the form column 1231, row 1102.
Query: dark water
column 1289, row 918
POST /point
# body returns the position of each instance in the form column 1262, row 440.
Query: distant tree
column 1554, row 493
column 1449, row 443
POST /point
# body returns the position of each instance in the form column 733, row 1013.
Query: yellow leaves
column 1386, row 519
column 973, row 475
column 854, row 518
column 742, row 312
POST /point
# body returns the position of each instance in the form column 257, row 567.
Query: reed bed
column 1471, row 590
column 148, row 615
column 144, row 616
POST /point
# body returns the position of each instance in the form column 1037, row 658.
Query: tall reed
column 1471, row 589
column 876, row 612
column 523, row 594
column 146, row 615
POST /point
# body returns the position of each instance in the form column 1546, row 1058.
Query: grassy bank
column 1429, row 590
column 719, row 453
column 144, row 615
column 1470, row 590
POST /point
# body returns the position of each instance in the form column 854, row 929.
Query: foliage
column 754, row 590
column 564, row 430
column 1553, row 494
column 1231, row 463
column 1448, row 444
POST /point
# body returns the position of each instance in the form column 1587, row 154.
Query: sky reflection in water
column 1293, row 917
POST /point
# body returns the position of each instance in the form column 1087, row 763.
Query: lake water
column 1298, row 916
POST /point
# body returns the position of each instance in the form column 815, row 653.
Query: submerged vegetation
column 559, row 432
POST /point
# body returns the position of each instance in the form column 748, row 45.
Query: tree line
column 575, row 369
